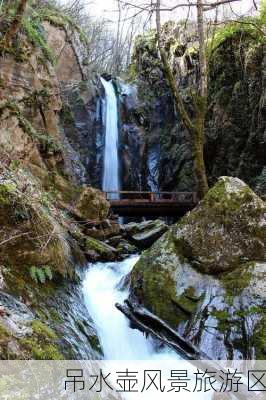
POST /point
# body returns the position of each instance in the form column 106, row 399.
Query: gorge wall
column 235, row 125
column 43, row 192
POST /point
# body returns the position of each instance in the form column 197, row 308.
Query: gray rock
column 144, row 234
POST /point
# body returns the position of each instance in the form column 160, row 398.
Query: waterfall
column 111, row 166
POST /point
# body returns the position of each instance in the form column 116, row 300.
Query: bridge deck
column 126, row 203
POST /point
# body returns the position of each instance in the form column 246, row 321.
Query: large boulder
column 91, row 204
column 206, row 276
column 227, row 228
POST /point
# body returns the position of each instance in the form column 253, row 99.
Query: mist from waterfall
column 111, row 165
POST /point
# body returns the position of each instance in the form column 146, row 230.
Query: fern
column 41, row 275
column 33, row 273
column 48, row 272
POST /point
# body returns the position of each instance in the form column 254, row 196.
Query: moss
column 59, row 19
column 187, row 301
column 3, row 333
column 42, row 330
column 5, row 190
column 100, row 247
column 154, row 282
column 235, row 201
column 39, row 351
column 36, row 35
column 19, row 50
column 242, row 276
column 42, row 344
column 259, row 336
column 224, row 320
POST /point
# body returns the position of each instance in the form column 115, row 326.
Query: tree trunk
column 15, row 24
column 201, row 108
column 195, row 128
column 202, row 54
column 198, row 151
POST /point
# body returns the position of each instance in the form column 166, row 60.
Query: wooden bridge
column 125, row 203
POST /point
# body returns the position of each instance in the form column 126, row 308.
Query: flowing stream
column 102, row 289
column 123, row 346
column 111, row 166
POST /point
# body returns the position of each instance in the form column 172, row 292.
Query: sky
column 107, row 7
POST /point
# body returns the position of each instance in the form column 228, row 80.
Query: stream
column 102, row 289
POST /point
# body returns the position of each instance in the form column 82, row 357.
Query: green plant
column 36, row 34
column 252, row 26
column 41, row 274
column 42, row 330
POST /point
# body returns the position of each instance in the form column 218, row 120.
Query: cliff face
column 235, row 124
column 42, row 245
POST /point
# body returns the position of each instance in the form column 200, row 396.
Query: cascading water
column 101, row 290
column 125, row 347
column 111, row 165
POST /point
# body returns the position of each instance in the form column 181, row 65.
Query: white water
column 118, row 340
column 110, row 173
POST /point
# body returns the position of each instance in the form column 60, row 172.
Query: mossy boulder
column 226, row 229
column 203, row 279
column 91, row 205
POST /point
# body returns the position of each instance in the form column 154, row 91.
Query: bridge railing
column 179, row 197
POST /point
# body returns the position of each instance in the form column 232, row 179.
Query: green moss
column 6, row 189
column 36, row 35
column 100, row 247
column 55, row 316
column 242, row 276
column 39, row 351
column 3, row 332
column 259, row 336
column 217, row 196
column 42, row 330
column 59, row 19
column 42, row 344
column 224, row 320
column 154, row 281
column 187, row 301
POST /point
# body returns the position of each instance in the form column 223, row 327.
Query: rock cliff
column 43, row 206
column 235, row 125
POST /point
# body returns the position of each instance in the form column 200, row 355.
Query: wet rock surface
column 217, row 302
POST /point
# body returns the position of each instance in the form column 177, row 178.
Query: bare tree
column 195, row 124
